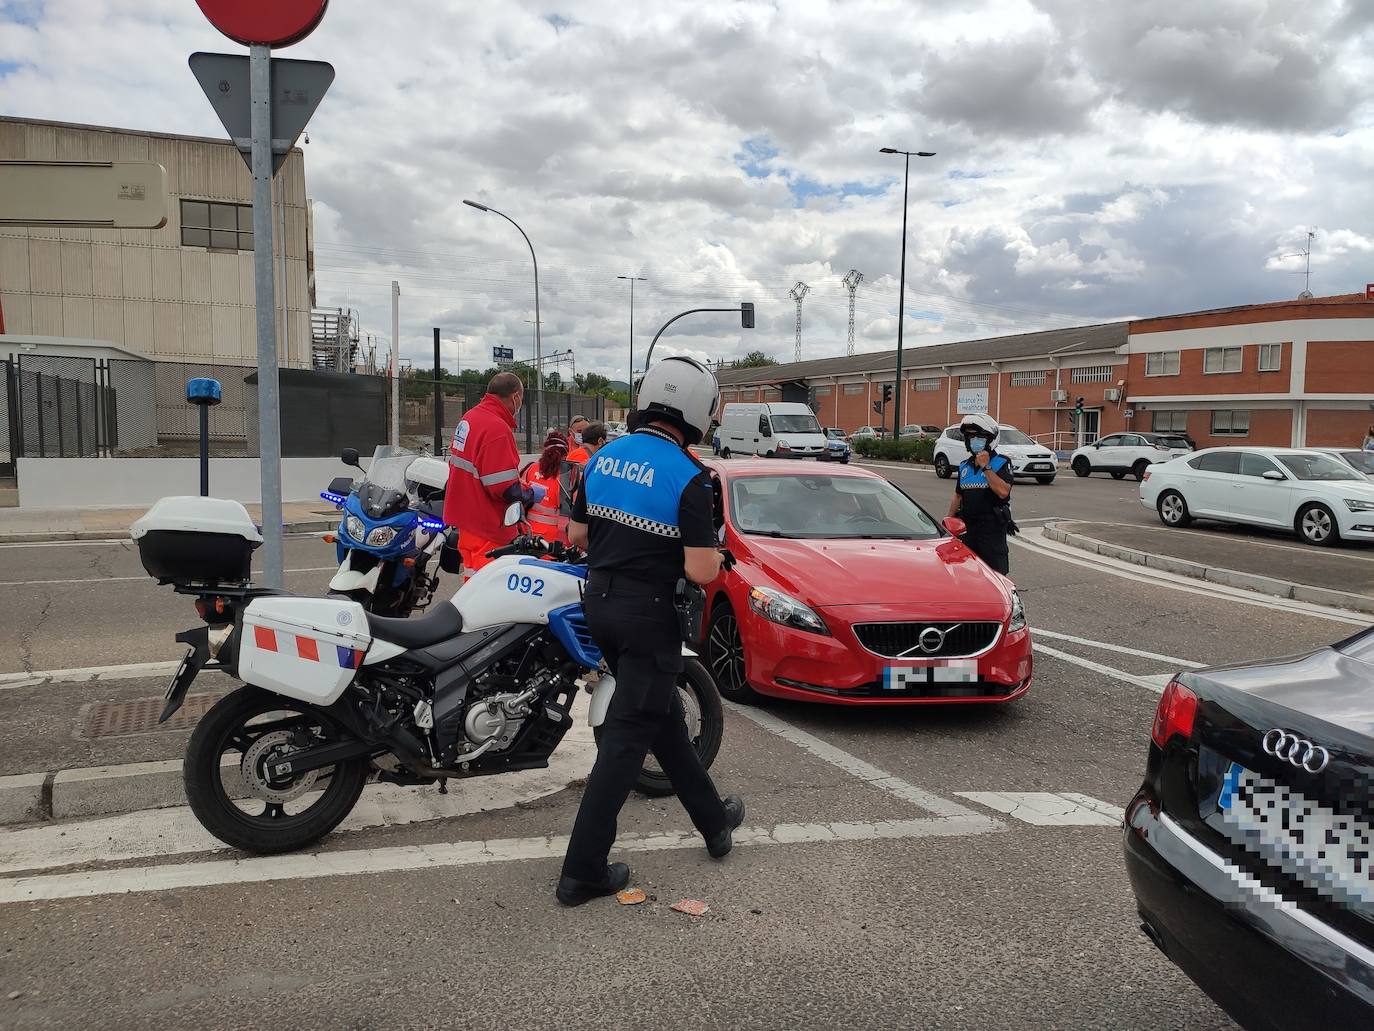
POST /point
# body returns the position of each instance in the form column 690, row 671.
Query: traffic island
column 1338, row 577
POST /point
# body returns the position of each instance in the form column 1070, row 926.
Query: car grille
column 904, row 640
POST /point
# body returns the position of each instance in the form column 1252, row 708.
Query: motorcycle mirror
column 514, row 513
column 350, row 456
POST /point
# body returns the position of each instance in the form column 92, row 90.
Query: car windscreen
column 834, row 433
column 1009, row 435
column 795, row 424
column 1361, row 460
column 819, row 507
column 1317, row 467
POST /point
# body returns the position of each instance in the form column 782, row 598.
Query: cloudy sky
column 1095, row 158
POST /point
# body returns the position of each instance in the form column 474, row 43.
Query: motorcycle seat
column 441, row 624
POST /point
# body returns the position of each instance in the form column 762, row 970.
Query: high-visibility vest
column 547, row 518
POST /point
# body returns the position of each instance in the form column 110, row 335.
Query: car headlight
column 353, row 526
column 1018, row 614
column 779, row 608
column 1359, row 506
column 381, row 536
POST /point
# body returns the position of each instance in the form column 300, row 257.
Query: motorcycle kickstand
column 443, row 785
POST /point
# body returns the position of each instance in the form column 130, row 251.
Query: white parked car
column 1360, row 461
column 1122, row 453
column 1319, row 498
column 1027, row 457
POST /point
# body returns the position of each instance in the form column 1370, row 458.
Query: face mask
column 978, row 444
column 577, row 437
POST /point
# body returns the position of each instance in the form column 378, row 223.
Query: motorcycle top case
column 193, row 540
column 303, row 648
column 429, row 472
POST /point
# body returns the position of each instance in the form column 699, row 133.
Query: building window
column 854, row 389
column 1092, row 374
column 219, row 227
column 926, row 383
column 1028, row 379
column 1226, row 423
column 772, row 395
column 1222, row 359
column 1270, row 357
column 1161, row 363
column 978, row 382
column 822, row 391
column 1169, row 422
column 748, row 395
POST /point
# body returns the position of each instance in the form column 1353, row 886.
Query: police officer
column 982, row 494
column 644, row 516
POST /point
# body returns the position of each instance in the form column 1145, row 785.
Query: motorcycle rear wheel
column 705, row 726
column 243, row 807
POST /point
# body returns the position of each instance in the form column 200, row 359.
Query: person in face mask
column 982, row 494
column 577, row 453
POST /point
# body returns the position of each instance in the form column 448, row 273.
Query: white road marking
column 1151, row 682
column 856, row 767
column 449, row 854
column 138, row 579
column 1120, row 648
column 1158, row 578
column 87, row 674
column 1202, row 531
column 1045, row 809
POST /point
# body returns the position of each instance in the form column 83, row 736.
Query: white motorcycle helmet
column 978, row 424
column 681, row 392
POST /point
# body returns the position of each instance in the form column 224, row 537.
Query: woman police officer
column 644, row 515
column 983, row 491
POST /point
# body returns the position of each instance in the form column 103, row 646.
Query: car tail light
column 1144, row 476
column 1175, row 715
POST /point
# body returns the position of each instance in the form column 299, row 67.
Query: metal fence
column 55, row 406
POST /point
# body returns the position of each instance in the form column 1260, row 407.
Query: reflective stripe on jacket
column 546, row 517
column 483, row 464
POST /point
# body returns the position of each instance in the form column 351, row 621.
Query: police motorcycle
column 391, row 539
column 334, row 696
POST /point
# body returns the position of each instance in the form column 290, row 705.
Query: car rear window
column 1217, row 462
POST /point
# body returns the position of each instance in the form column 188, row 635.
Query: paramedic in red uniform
column 484, row 472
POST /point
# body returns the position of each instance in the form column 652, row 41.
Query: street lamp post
column 901, row 290
column 538, row 339
column 633, row 280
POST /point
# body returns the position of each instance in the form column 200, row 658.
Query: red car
column 847, row 591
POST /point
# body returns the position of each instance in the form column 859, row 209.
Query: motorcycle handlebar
column 537, row 547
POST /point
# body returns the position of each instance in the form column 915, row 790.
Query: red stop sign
column 274, row 23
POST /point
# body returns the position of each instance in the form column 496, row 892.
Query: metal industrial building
column 1287, row 373
column 180, row 293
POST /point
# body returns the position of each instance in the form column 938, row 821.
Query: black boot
column 719, row 846
column 572, row 892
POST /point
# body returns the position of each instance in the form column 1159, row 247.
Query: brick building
column 1288, row 373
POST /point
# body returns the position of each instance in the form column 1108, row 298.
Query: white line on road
column 1155, row 683
column 449, row 854
column 126, row 579
column 87, row 674
column 1045, row 809
column 1121, row 648
column 856, row 767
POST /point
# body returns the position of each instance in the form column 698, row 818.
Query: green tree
column 753, row 360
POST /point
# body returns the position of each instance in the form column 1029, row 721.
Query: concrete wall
column 107, row 482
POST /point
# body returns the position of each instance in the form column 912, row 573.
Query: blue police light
column 203, row 391
column 338, row 499
column 432, row 524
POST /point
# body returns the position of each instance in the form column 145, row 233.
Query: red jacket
column 483, row 463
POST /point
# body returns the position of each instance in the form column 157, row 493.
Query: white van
column 780, row 430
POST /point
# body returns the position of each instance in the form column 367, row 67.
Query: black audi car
column 1250, row 846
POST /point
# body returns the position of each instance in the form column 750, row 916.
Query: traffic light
column 887, row 393
column 1078, row 409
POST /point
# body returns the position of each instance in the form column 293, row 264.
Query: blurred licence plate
column 1039, row 467
column 955, row 671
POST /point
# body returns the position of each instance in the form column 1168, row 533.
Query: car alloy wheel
column 942, row 467
column 1138, row 470
column 1316, row 525
column 1081, row 466
column 1173, row 510
column 725, row 655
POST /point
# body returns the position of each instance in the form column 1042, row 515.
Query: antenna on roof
column 1306, row 273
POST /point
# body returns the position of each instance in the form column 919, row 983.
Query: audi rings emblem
column 931, row 639
column 1296, row 751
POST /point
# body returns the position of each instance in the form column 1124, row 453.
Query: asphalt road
column 870, row 891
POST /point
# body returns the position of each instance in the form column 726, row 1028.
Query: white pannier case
column 193, row 540
column 304, row 648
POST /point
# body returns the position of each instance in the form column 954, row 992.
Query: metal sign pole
column 438, row 401
column 269, row 418
column 395, row 363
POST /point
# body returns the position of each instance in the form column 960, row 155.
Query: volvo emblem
column 1296, row 751
column 931, row 639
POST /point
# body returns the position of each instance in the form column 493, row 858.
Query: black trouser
column 636, row 628
column 987, row 538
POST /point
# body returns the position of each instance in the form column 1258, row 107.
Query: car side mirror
column 514, row 514
column 1097, row 443
column 1273, row 474
column 954, row 526
column 350, row 456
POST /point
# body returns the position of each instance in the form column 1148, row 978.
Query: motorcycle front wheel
column 238, row 801
column 705, row 727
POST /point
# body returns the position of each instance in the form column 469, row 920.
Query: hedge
column 908, row 449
